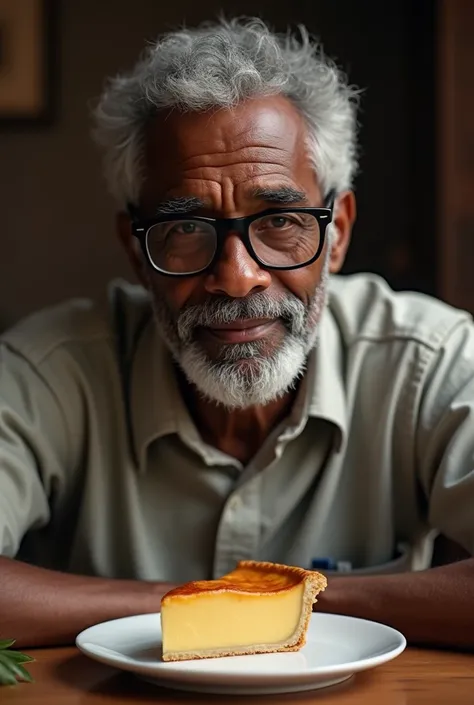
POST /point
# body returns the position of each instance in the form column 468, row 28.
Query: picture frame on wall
column 27, row 62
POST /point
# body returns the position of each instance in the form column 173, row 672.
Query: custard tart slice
column 258, row 608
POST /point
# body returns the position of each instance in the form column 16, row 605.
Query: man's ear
column 344, row 216
column 131, row 246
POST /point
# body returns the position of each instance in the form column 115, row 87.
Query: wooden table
column 65, row 677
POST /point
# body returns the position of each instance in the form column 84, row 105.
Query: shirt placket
column 238, row 534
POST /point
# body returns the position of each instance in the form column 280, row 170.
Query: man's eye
column 278, row 221
column 185, row 228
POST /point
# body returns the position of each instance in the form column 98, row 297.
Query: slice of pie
column 258, row 608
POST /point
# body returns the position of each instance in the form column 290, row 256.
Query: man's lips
column 243, row 330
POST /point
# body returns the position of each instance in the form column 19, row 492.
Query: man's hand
column 43, row 608
column 432, row 607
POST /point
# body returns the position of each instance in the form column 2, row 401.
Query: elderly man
column 244, row 402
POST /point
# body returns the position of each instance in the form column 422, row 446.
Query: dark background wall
column 57, row 221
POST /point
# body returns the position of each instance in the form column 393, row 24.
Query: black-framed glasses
column 181, row 246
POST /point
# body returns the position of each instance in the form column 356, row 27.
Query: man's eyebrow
column 285, row 195
column 179, row 204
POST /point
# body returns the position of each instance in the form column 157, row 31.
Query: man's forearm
column 434, row 607
column 41, row 607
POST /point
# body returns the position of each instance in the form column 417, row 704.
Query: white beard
column 244, row 376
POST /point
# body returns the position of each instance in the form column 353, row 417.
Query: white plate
column 336, row 648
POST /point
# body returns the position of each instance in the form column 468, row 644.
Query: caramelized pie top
column 253, row 577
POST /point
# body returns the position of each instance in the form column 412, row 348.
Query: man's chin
column 241, row 357
column 243, row 380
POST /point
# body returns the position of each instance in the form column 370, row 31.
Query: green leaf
column 6, row 676
column 11, row 668
column 20, row 672
column 17, row 656
column 7, row 643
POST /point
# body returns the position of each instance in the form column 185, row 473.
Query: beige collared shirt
column 103, row 472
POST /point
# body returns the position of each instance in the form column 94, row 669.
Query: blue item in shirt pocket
column 329, row 564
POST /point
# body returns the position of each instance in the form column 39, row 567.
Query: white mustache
column 222, row 310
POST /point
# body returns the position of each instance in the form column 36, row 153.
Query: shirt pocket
column 402, row 563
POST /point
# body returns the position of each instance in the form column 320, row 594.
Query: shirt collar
column 155, row 400
column 158, row 408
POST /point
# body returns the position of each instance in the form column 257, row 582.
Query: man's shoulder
column 365, row 307
column 80, row 321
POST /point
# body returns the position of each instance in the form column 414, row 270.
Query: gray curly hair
column 218, row 65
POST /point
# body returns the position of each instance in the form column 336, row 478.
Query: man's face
column 240, row 333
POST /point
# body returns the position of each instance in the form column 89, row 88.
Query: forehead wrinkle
column 262, row 156
column 251, row 170
column 268, row 181
column 209, row 191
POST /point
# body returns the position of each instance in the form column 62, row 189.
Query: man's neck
column 239, row 432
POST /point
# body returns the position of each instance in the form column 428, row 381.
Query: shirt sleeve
column 445, row 438
column 33, row 449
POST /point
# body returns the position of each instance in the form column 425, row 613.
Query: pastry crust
column 254, row 578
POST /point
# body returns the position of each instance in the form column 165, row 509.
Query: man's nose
column 236, row 273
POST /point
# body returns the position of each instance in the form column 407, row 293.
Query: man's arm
column 435, row 606
column 42, row 422
column 432, row 607
column 41, row 607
